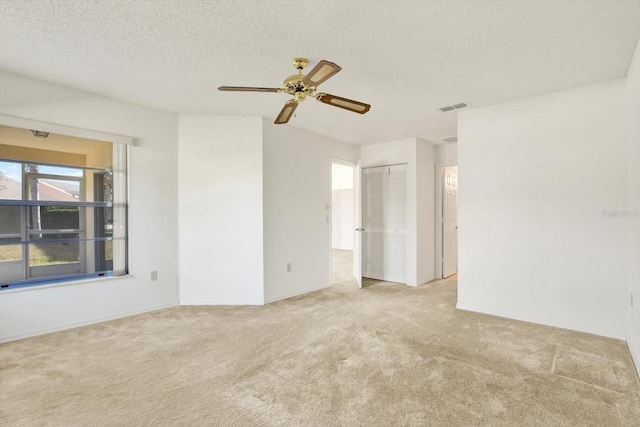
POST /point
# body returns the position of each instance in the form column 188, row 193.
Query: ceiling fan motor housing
column 293, row 85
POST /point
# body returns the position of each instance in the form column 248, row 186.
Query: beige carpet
column 342, row 267
column 384, row 355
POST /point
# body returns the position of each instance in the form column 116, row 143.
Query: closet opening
column 384, row 223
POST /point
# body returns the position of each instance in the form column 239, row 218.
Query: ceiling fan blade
column 247, row 89
column 321, row 72
column 347, row 104
column 286, row 112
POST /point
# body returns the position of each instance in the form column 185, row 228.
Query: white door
column 395, row 213
column 384, row 223
column 450, row 222
column 373, row 223
column 357, row 221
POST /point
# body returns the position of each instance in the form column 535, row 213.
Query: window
column 63, row 212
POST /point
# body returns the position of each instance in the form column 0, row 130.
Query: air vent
column 454, row 107
column 451, row 139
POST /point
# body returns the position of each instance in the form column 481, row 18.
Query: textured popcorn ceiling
column 405, row 58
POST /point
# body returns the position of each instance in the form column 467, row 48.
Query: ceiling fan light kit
column 300, row 86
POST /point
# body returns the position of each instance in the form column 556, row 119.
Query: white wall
column 425, row 220
column 387, row 153
column 342, row 228
column 220, row 202
column 419, row 157
column 153, row 212
column 297, row 199
column 535, row 177
column 633, row 195
column 447, row 153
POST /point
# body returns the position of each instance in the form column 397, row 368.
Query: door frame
column 439, row 205
column 329, row 206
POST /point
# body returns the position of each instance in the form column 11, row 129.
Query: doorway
column 342, row 222
column 447, row 221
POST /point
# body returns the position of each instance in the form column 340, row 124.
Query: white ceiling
column 405, row 58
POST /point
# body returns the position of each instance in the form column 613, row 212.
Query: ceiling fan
column 300, row 86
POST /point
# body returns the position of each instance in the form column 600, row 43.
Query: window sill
column 63, row 283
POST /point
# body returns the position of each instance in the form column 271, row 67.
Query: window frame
column 26, row 232
column 123, row 140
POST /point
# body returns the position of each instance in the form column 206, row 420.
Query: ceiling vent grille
column 451, row 139
column 454, row 107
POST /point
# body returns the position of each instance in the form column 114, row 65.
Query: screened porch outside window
column 61, row 223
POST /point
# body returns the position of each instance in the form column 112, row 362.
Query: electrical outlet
column 154, row 276
column 288, row 267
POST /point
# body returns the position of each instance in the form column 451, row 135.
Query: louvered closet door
column 373, row 223
column 384, row 219
column 395, row 244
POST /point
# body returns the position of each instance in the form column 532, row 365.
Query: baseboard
column 87, row 322
column 295, row 294
column 217, row 302
column 635, row 357
column 539, row 321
